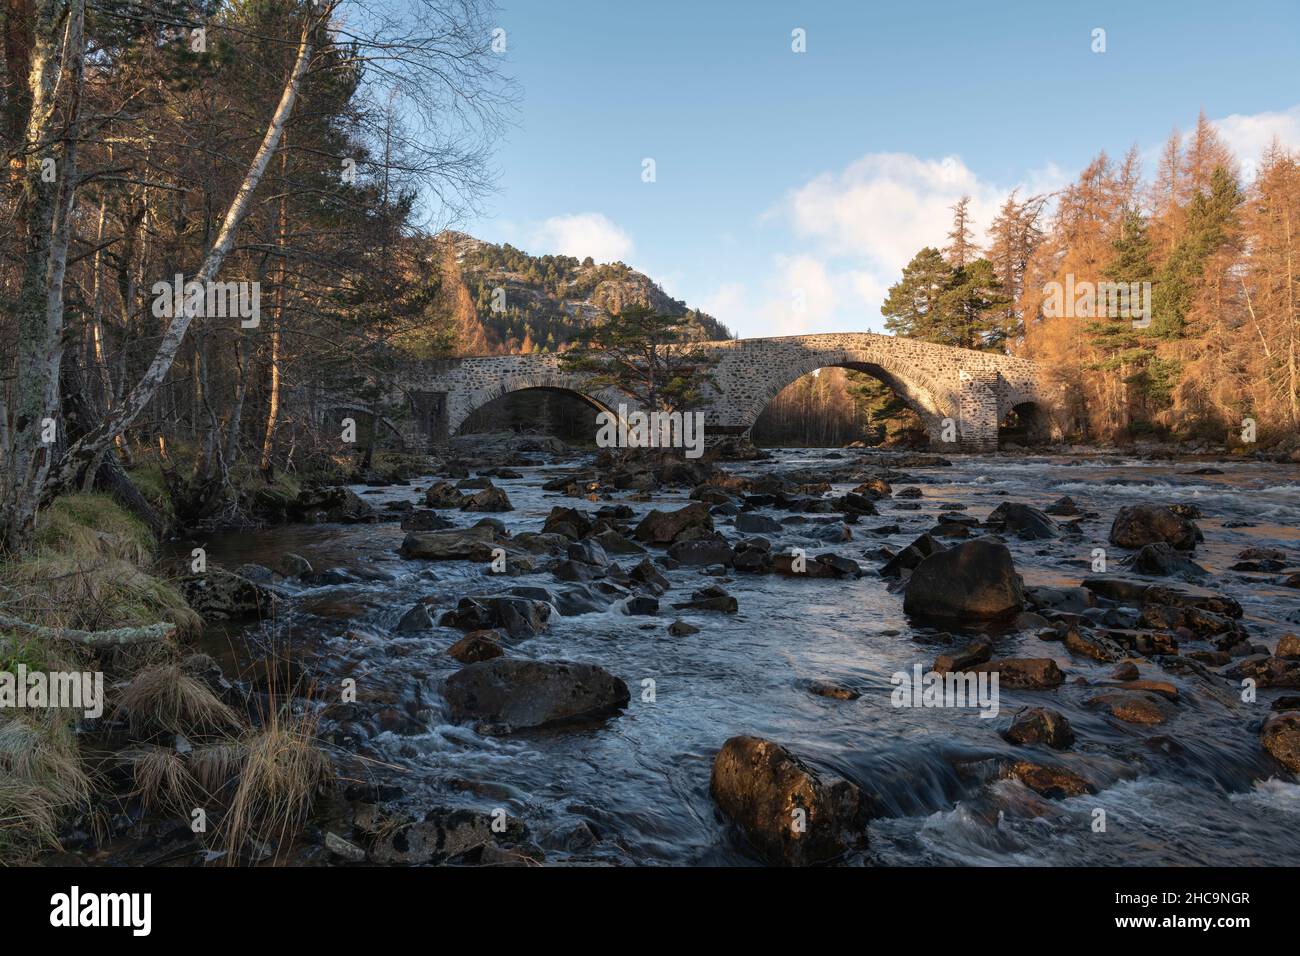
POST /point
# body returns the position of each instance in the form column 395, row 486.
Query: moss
column 148, row 480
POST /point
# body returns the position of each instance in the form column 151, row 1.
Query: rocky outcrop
column 792, row 814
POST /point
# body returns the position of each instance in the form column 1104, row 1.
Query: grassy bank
column 166, row 739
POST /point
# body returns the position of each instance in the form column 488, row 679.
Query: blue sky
column 789, row 187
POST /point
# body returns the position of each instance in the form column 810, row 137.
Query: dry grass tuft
column 166, row 697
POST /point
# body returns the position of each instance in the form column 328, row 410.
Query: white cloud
column 581, row 234
column 1249, row 135
column 884, row 207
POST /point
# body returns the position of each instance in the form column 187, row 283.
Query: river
column 1197, row 790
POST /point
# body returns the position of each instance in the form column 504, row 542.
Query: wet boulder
column 792, row 814
column 665, row 527
column 1132, row 706
column 293, row 565
column 1138, row 525
column 443, row 835
column 1050, row 782
column 490, row 498
column 750, row 523
column 477, row 646
column 1021, row 521
column 443, row 494
column 1267, row 672
column 460, row 544
column 976, row 652
column 701, row 552
column 972, row 581
column 513, row 694
column 1063, row 507
column 424, row 519
column 416, row 620
column 1069, row 600
column 331, row 504
column 1288, row 647
column 1281, row 738
column 711, row 598
column 1025, row 673
column 1161, row 559
column 1040, row 725
column 910, row 557
column 569, row 522
column 520, row 617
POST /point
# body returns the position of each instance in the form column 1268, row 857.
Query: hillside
column 549, row 299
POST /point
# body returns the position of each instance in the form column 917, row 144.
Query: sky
column 790, row 188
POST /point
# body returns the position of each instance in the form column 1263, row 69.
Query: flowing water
column 1197, row 790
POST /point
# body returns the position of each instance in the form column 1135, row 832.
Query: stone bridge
column 961, row 396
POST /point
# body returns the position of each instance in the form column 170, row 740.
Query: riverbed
column 633, row 788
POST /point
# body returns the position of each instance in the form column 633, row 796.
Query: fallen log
column 115, row 637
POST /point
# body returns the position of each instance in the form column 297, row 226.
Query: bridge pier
column 977, row 422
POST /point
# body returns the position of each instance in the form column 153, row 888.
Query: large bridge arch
column 603, row 400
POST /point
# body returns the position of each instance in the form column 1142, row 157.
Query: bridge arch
column 602, row 399
column 921, row 393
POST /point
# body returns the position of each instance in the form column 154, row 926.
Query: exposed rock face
column 792, row 814
column 518, row 616
column 664, row 527
column 1281, row 738
column 218, row 595
column 1040, row 725
column 1137, row 525
column 512, row 694
column 972, row 581
column 461, row 544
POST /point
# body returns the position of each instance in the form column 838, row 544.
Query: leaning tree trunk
column 84, row 452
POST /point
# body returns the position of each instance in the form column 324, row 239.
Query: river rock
column 490, row 498
column 443, row 835
column 1051, row 782
column 711, row 598
column 1040, row 725
column 1137, row 525
column 910, row 557
column 1281, row 738
column 1163, row 560
column 1031, row 673
column 218, row 595
column 792, row 814
column 665, row 527
column 1267, row 671
column 976, row 652
column 293, row 565
column 1069, row 600
column 972, row 581
column 567, row 521
column 477, row 646
column 519, row 617
column 461, row 544
column 749, row 523
column 1288, row 647
column 415, row 620
column 513, row 694
column 1063, row 507
column 443, row 494
column 680, row 628
column 1133, row 707
column 701, row 552
column 1021, row 521
column 424, row 519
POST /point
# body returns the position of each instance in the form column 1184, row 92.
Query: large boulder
column 490, row 498
column 910, row 557
column 459, row 544
column 1163, row 560
column 664, row 527
column 1021, row 521
column 972, row 581
column 512, row 694
column 792, row 814
column 1138, row 525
